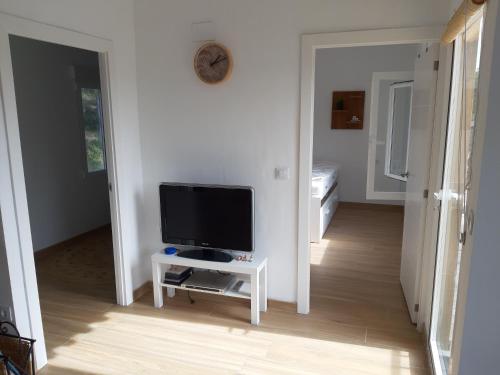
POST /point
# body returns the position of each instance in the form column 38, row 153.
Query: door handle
column 438, row 195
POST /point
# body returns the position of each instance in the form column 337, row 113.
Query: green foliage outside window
column 93, row 125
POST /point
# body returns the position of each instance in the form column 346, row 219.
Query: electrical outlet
column 5, row 313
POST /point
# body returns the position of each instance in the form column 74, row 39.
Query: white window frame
column 454, row 113
column 454, row 116
column 378, row 77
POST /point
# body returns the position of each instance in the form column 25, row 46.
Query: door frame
column 13, row 198
column 309, row 44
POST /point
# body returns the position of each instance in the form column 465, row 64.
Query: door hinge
column 470, row 221
column 436, row 65
column 426, row 193
column 417, row 307
column 462, row 238
column 110, row 187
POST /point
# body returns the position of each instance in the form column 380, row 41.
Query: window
column 389, row 136
column 94, row 129
column 398, row 131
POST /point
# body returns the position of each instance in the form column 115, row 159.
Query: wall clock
column 213, row 63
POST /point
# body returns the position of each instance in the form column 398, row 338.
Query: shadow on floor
column 357, row 323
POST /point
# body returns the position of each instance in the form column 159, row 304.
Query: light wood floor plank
column 358, row 322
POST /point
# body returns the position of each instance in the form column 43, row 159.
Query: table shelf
column 252, row 273
column 230, row 292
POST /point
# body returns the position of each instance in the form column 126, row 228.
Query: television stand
column 250, row 280
column 206, row 254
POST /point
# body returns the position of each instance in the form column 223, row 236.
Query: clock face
column 213, row 63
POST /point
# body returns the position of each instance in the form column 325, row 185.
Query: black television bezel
column 190, row 243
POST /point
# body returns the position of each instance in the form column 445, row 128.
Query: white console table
column 254, row 272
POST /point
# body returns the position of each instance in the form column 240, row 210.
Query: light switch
column 282, row 173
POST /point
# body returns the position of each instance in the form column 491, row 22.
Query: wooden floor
column 358, row 322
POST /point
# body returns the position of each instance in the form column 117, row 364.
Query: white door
column 424, row 90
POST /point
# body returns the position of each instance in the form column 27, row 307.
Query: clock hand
column 218, row 61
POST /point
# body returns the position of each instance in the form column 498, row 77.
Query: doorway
column 356, row 261
column 13, row 197
column 311, row 44
column 61, row 125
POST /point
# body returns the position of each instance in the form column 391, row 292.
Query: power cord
column 191, row 300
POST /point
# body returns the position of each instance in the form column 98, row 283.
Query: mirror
column 398, row 130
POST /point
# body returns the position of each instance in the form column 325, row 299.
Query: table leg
column 255, row 313
column 263, row 288
column 157, row 289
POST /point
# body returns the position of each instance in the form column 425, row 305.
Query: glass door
column 453, row 195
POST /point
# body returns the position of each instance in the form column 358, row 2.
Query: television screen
column 216, row 217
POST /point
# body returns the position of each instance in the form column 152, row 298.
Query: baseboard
column 142, row 290
column 374, row 206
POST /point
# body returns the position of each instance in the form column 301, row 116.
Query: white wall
column 64, row 200
column 453, row 6
column 481, row 331
column 351, row 69
column 112, row 20
column 238, row 132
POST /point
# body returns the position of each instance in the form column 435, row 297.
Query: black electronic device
column 177, row 274
column 210, row 218
column 206, row 254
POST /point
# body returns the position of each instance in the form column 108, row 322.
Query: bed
column 324, row 197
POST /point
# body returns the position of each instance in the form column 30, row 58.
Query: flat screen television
column 208, row 216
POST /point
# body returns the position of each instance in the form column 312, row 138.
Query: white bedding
column 324, row 175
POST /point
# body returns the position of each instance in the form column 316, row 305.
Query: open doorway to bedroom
column 360, row 92
column 373, row 108
column 62, row 137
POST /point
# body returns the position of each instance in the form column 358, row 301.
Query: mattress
column 324, row 176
